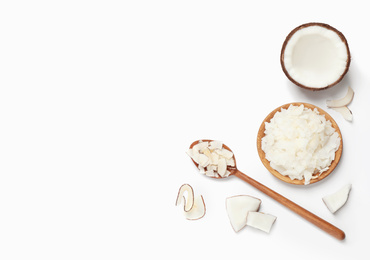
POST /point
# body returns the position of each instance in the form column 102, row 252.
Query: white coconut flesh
column 187, row 201
column 194, row 206
column 212, row 159
column 315, row 57
column 260, row 221
column 237, row 208
column 198, row 210
column 299, row 142
column 336, row 200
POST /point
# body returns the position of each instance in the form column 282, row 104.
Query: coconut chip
column 194, row 206
column 345, row 111
column 189, row 200
column 343, row 101
column 198, row 211
column 212, row 158
column 341, row 105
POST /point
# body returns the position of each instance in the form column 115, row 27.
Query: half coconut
column 315, row 56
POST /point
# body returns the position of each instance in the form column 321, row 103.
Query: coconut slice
column 315, row 56
column 194, row 207
column 346, row 113
column 226, row 154
column 198, row 210
column 211, row 173
column 260, row 221
column 237, row 208
column 203, row 160
column 189, row 201
column 342, row 101
column 221, row 167
column 215, row 145
column 230, row 162
column 200, row 146
column 336, row 200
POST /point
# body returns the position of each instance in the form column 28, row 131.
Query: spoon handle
column 319, row 222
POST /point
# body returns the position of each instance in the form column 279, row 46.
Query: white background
column 99, row 100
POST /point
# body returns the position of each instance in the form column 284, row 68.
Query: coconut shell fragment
column 261, row 221
column 337, row 200
column 237, row 208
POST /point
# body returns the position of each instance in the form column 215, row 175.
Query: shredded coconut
column 299, row 142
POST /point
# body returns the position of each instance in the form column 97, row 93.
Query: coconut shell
column 341, row 36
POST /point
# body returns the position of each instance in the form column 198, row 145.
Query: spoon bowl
column 319, row 222
column 229, row 168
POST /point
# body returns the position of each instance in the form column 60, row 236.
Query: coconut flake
column 189, row 200
column 227, row 154
column 198, row 210
column 340, row 105
column 227, row 174
column 221, row 167
column 211, row 173
column 345, row 112
column 215, row 145
column 300, row 142
column 343, row 101
column 194, row 206
column 230, row 162
column 203, row 160
column 213, row 160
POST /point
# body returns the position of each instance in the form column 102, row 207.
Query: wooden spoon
column 319, row 222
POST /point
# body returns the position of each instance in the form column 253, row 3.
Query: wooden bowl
column 316, row 177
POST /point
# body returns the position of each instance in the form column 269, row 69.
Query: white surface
column 99, row 100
